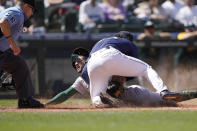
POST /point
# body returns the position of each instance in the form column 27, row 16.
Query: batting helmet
column 76, row 52
column 124, row 34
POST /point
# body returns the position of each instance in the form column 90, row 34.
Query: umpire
column 11, row 25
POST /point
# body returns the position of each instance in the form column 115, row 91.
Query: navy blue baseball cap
column 31, row 3
column 125, row 34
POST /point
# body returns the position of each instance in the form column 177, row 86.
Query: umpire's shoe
column 29, row 103
column 167, row 95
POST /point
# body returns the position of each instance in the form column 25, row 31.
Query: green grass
column 97, row 121
column 100, row 121
column 8, row 102
column 13, row 102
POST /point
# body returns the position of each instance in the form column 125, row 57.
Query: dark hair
column 81, row 51
column 124, row 34
column 30, row 2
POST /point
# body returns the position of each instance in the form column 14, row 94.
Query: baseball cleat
column 29, row 103
column 167, row 95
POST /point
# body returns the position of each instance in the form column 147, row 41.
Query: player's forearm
column 62, row 96
column 5, row 27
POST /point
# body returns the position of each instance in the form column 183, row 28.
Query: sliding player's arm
column 78, row 86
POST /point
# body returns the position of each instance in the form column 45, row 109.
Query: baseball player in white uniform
column 118, row 56
column 114, row 56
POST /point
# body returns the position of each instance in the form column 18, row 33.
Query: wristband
column 7, row 37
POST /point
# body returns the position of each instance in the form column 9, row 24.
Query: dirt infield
column 87, row 109
column 79, row 105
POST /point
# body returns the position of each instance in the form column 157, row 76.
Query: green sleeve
column 62, row 96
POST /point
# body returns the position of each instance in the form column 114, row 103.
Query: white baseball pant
column 106, row 62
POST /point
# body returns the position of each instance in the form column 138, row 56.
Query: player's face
column 150, row 30
column 79, row 64
column 29, row 10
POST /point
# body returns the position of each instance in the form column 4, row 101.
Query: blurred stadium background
column 54, row 32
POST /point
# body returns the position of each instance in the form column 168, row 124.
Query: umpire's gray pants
column 17, row 66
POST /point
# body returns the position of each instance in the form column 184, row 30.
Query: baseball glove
column 115, row 88
column 6, row 81
column 110, row 101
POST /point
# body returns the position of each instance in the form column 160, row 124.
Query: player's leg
column 140, row 96
column 17, row 66
column 98, row 85
column 123, row 65
column 157, row 100
column 21, row 75
column 99, row 78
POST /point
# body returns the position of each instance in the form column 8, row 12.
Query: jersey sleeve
column 133, row 52
column 12, row 17
column 81, row 86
